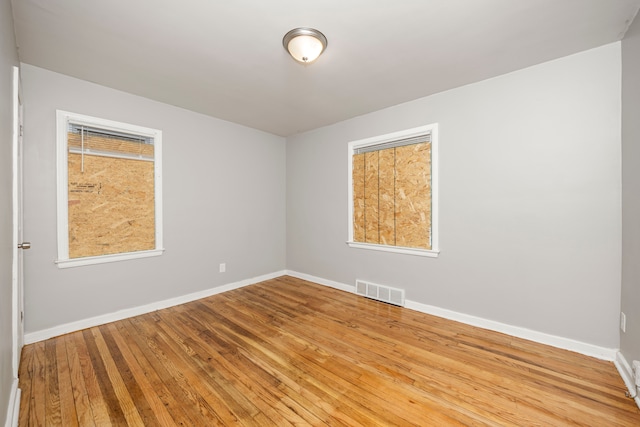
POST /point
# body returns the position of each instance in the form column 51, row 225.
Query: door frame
column 17, row 268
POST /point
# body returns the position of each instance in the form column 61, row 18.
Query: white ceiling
column 225, row 58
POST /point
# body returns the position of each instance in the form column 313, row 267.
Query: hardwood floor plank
column 223, row 387
column 78, row 385
column 288, row 352
column 109, row 354
column 484, row 363
column 25, row 376
column 283, row 366
column 116, row 415
column 92, row 390
column 268, row 388
column 340, row 373
column 154, row 412
column 38, row 398
column 68, row 412
column 338, row 367
column 131, row 396
column 53, row 414
column 249, row 388
column 199, row 392
column 166, row 387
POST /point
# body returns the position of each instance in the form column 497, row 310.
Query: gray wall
column 630, row 341
column 529, row 192
column 8, row 59
column 224, row 201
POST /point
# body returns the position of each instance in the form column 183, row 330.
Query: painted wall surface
column 224, row 201
column 529, row 200
column 8, row 59
column 630, row 340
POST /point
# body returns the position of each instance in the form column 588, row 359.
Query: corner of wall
column 67, row 328
column 587, row 349
column 626, row 373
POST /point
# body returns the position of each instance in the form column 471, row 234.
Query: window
column 393, row 203
column 109, row 190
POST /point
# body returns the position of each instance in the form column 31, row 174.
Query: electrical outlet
column 623, row 322
column 223, row 267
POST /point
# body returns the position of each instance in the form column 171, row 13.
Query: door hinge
column 22, row 316
column 21, row 130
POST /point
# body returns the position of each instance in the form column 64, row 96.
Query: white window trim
column 62, row 120
column 408, row 133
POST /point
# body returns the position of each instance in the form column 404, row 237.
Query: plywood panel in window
column 111, row 206
column 386, row 196
column 413, row 196
column 358, row 197
column 372, row 234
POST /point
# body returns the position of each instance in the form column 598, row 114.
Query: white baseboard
column 516, row 331
column 627, row 376
column 66, row 328
column 552, row 340
column 13, row 409
column 320, row 280
column 540, row 337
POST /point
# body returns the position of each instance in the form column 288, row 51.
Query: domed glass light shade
column 304, row 44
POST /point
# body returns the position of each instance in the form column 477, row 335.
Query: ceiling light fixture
column 304, row 44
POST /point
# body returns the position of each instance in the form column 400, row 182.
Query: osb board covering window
column 392, row 196
column 111, row 199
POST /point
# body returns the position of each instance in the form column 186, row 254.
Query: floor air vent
column 381, row 293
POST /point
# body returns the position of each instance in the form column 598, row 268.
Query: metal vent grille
column 381, row 293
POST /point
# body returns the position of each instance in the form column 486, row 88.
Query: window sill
column 430, row 253
column 102, row 259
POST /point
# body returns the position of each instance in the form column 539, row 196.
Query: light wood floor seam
column 288, row 352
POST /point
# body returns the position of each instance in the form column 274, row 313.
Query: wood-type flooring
column 290, row 352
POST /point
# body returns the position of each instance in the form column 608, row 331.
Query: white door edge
column 16, row 291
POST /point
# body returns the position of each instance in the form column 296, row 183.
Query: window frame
column 431, row 129
column 63, row 118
